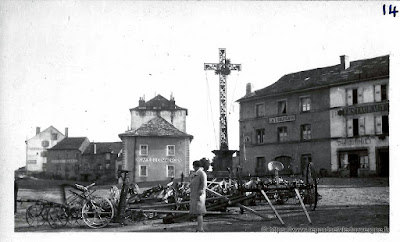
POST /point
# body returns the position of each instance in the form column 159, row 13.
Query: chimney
column 94, row 148
column 37, row 130
column 248, row 88
column 66, row 132
column 141, row 102
column 344, row 62
column 172, row 101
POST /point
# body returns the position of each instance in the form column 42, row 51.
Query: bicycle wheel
column 34, row 215
column 57, row 216
column 97, row 212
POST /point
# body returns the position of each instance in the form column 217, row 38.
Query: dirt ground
column 347, row 205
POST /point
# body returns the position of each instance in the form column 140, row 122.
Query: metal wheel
column 57, row 216
column 97, row 212
column 35, row 215
column 75, row 215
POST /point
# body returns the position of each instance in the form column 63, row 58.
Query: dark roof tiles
column 157, row 127
column 69, row 143
column 104, row 147
column 332, row 75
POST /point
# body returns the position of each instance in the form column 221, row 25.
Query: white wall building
column 360, row 120
column 36, row 148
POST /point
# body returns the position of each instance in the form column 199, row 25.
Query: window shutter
column 378, row 96
column 349, row 97
column 378, row 125
column 350, row 128
column 361, row 125
column 360, row 94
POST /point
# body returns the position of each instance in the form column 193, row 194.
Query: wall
column 319, row 118
column 35, row 149
column 370, row 140
column 174, row 117
column 157, row 158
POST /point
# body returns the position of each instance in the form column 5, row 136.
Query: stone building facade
column 156, row 148
column 336, row 116
column 37, row 146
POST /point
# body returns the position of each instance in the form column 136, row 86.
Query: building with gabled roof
column 156, row 148
column 64, row 158
column 336, row 116
column 37, row 146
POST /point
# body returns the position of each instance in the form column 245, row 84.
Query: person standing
column 198, row 185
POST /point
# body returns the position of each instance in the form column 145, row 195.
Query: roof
column 69, row 143
column 51, row 128
column 158, row 102
column 104, row 147
column 157, row 127
column 360, row 70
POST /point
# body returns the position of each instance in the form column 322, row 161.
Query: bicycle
column 95, row 211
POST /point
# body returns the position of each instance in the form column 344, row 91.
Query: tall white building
column 36, row 147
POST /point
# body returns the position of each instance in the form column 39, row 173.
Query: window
column 170, row 150
column 143, row 171
column 143, row 150
column 282, row 109
column 354, row 96
column 85, row 167
column 108, row 156
column 355, row 100
column 58, row 167
column 384, row 92
column 260, row 166
column 364, row 161
column 76, row 166
column 306, row 132
column 44, row 153
column 260, row 110
column 355, row 127
column 305, row 104
column 53, row 136
column 282, row 134
column 381, row 93
column 108, row 165
column 260, row 136
column 31, row 162
column 170, row 171
column 100, row 167
column 385, row 124
column 382, row 124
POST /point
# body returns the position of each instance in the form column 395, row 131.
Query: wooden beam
column 272, row 206
column 302, row 204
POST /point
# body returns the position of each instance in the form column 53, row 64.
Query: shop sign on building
column 159, row 160
column 282, row 119
column 64, row 161
column 354, row 141
column 364, row 109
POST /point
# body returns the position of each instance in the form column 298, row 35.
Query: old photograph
column 256, row 118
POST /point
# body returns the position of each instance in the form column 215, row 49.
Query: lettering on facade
column 159, row 160
column 64, row 161
column 364, row 109
column 354, row 141
column 282, row 119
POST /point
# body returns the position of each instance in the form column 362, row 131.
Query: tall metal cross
column 223, row 68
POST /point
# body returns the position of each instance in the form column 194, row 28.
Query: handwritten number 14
column 391, row 11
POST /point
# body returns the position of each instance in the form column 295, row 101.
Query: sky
column 84, row 64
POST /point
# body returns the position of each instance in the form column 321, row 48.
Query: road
column 346, row 205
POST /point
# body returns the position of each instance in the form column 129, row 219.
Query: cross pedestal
column 222, row 161
column 223, row 157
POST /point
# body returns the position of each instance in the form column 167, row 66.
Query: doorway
column 354, row 164
column 383, row 162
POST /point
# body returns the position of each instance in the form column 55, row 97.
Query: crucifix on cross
column 223, row 69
